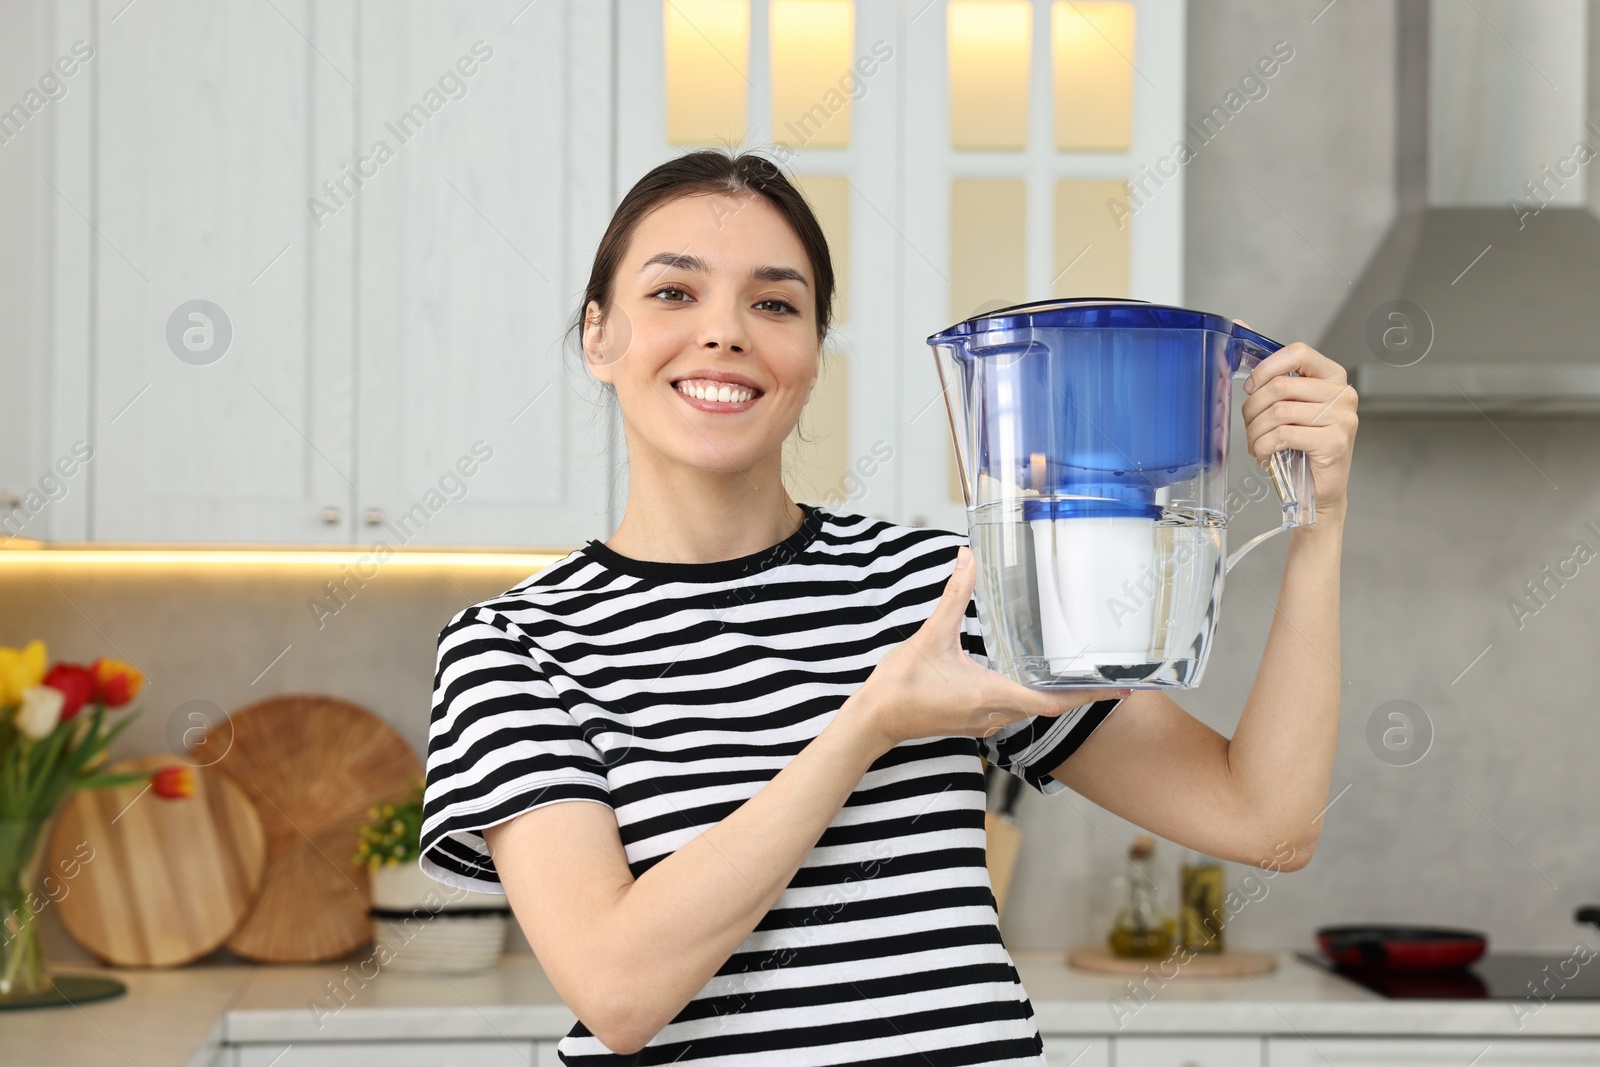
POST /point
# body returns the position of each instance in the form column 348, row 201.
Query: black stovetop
column 1494, row 976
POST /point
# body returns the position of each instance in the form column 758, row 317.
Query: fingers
column 1050, row 704
column 1017, row 701
column 957, row 593
column 1302, row 359
column 1057, row 701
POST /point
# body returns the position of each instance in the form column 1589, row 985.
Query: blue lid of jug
column 1096, row 312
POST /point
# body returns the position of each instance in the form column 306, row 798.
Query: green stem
column 22, row 966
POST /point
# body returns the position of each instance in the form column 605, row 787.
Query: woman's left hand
column 1314, row 411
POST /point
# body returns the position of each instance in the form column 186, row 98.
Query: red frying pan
column 1401, row 948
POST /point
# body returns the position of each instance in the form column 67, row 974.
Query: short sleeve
column 1033, row 747
column 500, row 743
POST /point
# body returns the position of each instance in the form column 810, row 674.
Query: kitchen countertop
column 182, row 1016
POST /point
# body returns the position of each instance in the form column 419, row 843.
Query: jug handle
column 1288, row 468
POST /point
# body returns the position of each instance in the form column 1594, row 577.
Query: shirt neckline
column 784, row 551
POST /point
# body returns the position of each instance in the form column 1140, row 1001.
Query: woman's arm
column 1251, row 798
column 1281, row 755
column 627, row 955
column 1156, row 765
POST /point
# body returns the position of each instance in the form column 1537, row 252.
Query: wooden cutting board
column 1229, row 963
column 151, row 882
column 313, row 765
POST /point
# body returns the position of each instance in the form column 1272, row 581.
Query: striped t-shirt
column 672, row 692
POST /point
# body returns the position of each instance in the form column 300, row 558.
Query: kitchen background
column 178, row 162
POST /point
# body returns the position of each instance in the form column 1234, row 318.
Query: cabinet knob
column 330, row 516
column 373, row 516
column 9, row 500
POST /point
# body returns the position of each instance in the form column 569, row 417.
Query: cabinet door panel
column 390, row 1054
column 1077, row 1051
column 233, row 424
column 1187, row 1051
column 1431, row 1052
column 484, row 131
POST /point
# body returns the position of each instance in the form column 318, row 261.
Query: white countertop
column 182, row 1016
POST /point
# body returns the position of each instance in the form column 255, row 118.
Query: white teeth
column 726, row 394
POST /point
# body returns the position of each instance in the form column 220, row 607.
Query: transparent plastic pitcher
column 1092, row 439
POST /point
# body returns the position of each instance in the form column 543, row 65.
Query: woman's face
column 710, row 285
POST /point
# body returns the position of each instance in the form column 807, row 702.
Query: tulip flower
column 40, row 711
column 173, row 783
column 76, row 685
column 115, row 682
column 20, row 669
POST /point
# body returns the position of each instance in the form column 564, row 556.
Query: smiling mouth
column 714, row 392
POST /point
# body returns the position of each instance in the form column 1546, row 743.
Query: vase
column 23, row 972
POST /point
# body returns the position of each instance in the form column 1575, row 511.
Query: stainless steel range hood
column 1478, row 303
column 1505, row 320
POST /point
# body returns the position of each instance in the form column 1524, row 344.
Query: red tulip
column 75, row 684
column 115, row 682
column 173, row 783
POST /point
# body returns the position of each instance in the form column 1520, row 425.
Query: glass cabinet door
column 814, row 85
column 962, row 155
column 1034, row 138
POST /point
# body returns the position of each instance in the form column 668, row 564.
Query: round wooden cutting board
column 313, row 765
column 1229, row 963
column 151, row 882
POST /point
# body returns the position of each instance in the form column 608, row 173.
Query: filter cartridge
column 1097, row 602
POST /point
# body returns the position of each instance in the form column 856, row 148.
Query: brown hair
column 702, row 172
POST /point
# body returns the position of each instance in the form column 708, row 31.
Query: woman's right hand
column 927, row 686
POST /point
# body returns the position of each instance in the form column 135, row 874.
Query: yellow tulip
column 20, row 670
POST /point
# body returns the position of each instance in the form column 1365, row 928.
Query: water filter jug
column 1092, row 441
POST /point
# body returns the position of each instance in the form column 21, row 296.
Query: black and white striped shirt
column 672, row 692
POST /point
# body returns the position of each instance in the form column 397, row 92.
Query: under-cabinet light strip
column 287, row 556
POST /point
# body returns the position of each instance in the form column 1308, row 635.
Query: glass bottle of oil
column 1142, row 930
column 1200, row 902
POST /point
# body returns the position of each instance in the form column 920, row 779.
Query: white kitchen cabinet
column 502, row 1053
column 1320, row 1051
column 228, row 421
column 1188, row 1051
column 35, row 498
column 1077, row 1051
column 476, row 423
column 380, row 358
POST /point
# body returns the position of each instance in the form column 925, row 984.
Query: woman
column 776, row 712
